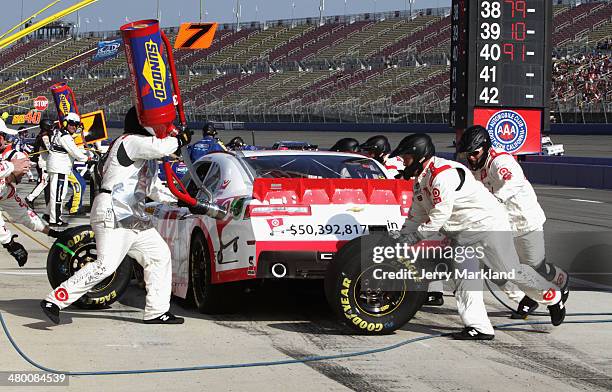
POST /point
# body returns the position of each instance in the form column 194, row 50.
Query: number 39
column 490, row 9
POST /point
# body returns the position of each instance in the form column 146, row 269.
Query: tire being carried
column 363, row 304
column 72, row 251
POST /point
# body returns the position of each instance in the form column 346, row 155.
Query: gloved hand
column 411, row 238
column 17, row 251
column 54, row 233
column 184, row 136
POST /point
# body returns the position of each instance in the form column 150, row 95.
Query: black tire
column 75, row 248
column 209, row 298
column 371, row 313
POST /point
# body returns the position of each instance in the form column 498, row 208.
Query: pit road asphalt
column 291, row 320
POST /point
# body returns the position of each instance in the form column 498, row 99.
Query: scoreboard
column 501, row 69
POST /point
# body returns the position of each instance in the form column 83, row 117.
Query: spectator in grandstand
column 378, row 148
column 347, row 144
column 42, row 145
column 209, row 143
column 62, row 155
column 582, row 78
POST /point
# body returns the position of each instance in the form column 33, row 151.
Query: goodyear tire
column 74, row 249
column 209, row 298
column 377, row 312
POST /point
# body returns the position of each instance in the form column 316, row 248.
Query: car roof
column 262, row 153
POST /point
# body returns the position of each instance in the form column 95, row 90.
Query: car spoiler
column 305, row 191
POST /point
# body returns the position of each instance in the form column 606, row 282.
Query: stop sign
column 41, row 103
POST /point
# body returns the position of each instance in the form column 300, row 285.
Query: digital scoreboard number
column 501, row 69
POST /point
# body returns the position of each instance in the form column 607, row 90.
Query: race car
column 288, row 215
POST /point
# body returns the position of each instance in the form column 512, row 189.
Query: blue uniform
column 205, row 146
column 248, row 147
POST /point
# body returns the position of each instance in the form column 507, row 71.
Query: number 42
column 489, row 95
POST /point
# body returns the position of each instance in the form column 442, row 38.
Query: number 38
column 490, row 9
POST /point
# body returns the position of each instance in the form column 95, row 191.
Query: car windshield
column 312, row 166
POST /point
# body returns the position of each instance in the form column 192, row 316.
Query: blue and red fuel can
column 152, row 74
column 64, row 99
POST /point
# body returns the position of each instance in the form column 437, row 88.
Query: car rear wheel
column 72, row 251
column 364, row 306
column 209, row 298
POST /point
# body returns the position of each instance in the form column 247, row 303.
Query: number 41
column 489, row 72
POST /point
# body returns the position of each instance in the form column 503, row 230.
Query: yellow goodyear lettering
column 107, row 298
column 346, row 283
column 154, row 70
column 348, row 313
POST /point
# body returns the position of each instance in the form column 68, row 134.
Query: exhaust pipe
column 279, row 270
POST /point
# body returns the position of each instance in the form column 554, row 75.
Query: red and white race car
column 289, row 214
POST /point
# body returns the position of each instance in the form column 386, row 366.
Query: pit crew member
column 238, row 144
column 42, row 145
column 209, row 143
column 447, row 200
column 62, row 155
column 504, row 178
column 378, row 147
column 13, row 166
column 121, row 227
column 347, row 144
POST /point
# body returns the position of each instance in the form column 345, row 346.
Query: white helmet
column 5, row 129
column 73, row 117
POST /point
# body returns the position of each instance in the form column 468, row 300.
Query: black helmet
column 347, row 144
column 236, row 143
column 473, row 139
column 379, row 145
column 421, row 147
column 209, row 130
column 46, row 125
column 131, row 124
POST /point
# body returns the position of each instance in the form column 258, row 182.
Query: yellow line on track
column 47, row 247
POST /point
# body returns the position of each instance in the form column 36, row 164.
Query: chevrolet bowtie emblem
column 355, row 209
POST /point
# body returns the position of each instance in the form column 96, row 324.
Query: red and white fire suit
column 62, row 155
column 393, row 165
column 448, row 200
column 503, row 177
column 122, row 227
column 12, row 204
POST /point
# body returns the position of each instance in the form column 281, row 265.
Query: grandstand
column 388, row 67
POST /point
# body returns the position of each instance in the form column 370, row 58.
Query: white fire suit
column 448, row 200
column 121, row 226
column 43, row 181
column 62, row 154
column 13, row 205
column 503, row 177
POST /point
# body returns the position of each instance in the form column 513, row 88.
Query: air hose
column 269, row 363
